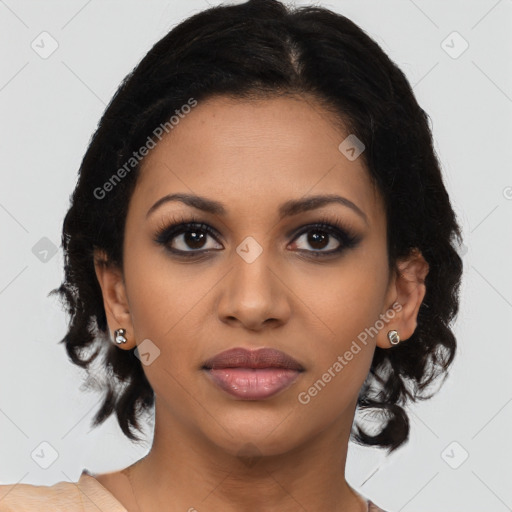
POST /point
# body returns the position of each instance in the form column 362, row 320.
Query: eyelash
column 167, row 231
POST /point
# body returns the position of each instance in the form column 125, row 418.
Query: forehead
column 254, row 154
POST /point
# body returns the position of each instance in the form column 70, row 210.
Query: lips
column 256, row 359
column 252, row 375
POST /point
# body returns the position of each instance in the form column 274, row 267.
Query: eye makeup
column 327, row 226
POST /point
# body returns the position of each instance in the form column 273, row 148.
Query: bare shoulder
column 29, row 497
column 89, row 493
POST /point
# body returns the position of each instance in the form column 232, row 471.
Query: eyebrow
column 287, row 209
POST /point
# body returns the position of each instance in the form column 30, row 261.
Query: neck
column 185, row 471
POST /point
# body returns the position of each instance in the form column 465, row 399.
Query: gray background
column 50, row 108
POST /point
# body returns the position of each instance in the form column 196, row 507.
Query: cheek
column 161, row 293
column 349, row 304
column 167, row 306
column 163, row 304
column 350, row 298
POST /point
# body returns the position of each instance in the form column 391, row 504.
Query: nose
column 253, row 295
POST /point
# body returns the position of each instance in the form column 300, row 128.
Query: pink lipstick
column 252, row 374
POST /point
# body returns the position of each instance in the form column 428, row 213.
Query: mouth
column 254, row 359
column 252, row 375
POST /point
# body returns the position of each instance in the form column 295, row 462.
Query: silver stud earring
column 120, row 336
column 393, row 337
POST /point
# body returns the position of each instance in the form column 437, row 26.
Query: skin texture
column 252, row 156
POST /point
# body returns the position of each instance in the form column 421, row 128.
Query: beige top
column 86, row 495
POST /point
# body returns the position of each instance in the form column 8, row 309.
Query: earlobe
column 111, row 281
column 409, row 289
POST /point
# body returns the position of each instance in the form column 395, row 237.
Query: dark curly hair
column 261, row 49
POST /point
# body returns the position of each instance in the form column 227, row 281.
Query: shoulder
column 83, row 496
column 28, row 497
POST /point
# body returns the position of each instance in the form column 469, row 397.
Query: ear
column 405, row 295
column 111, row 281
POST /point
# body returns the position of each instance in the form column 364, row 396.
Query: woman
column 259, row 243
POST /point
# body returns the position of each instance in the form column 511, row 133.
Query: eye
column 194, row 238
column 188, row 237
column 318, row 239
column 324, row 239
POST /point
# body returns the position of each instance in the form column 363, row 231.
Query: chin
column 254, row 435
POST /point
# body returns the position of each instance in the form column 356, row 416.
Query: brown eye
column 188, row 238
column 319, row 240
column 325, row 239
column 194, row 239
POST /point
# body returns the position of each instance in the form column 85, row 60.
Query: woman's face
column 261, row 277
